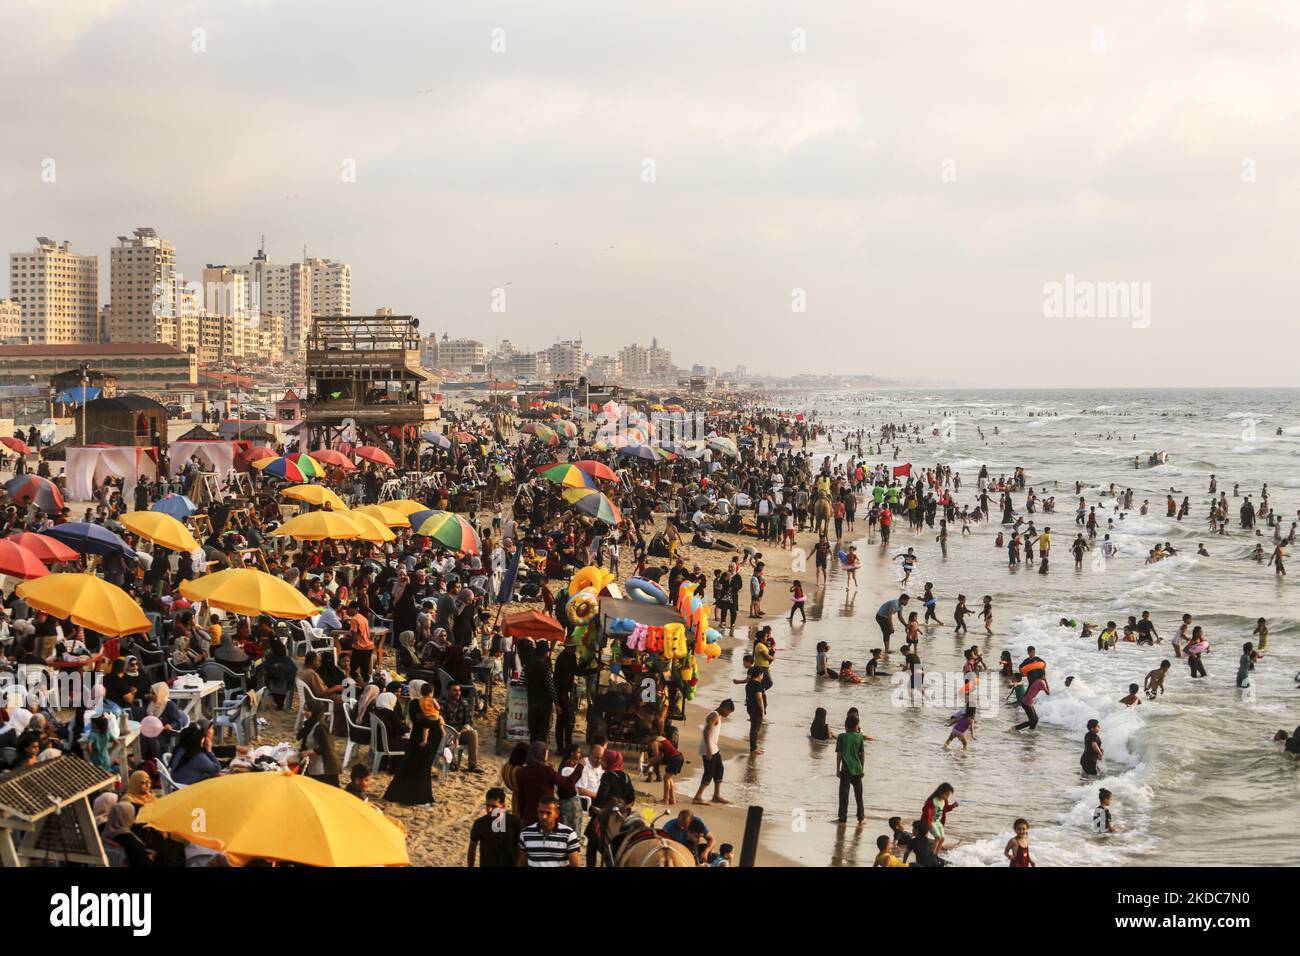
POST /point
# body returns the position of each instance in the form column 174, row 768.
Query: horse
column 626, row 840
column 822, row 511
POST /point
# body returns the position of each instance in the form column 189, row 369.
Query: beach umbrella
column 298, row 468
column 596, row 469
column 437, row 440
column 644, row 452
column 542, row 433
column 161, row 529
column 320, row 526
column 567, row 476
column 87, row 538
column 315, row 495
column 607, row 442
column 390, row 517
column 336, row 459
column 593, row 503
column 49, row 550
column 372, row 529
column 532, row 428
column 566, row 428
column 405, row 505
column 27, row 489
column 260, row 452
column 178, row 506
column 86, row 600
column 19, row 562
column 724, row 445
column 376, row 455
column 250, row 592
column 279, row 816
column 16, row 445
column 449, row 529
column 663, row 453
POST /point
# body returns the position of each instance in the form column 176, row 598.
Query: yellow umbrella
column 315, row 495
column 161, row 529
column 279, row 816
column 372, row 529
column 320, row 525
column 405, row 505
column 391, row 517
column 249, row 591
column 87, row 600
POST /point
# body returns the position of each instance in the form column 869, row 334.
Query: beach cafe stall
column 538, row 627
column 639, row 654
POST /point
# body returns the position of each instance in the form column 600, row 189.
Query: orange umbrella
column 377, row 455
column 18, row 562
column 49, row 550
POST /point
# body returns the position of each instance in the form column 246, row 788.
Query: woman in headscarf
column 368, row 697
column 615, row 784
column 413, row 784
column 278, row 672
column 118, row 832
column 510, row 773
column 316, row 745
column 395, row 728
column 101, row 807
column 405, row 613
column 139, row 788
column 229, row 651
column 174, row 720
column 192, row 760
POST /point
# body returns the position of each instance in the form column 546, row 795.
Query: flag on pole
column 903, row 471
column 506, row 593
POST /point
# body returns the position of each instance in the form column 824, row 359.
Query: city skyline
column 750, row 189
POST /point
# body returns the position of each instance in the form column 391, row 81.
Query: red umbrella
column 16, row 444
column 377, row 455
column 328, row 456
column 34, row 488
column 596, row 470
column 260, row 452
column 50, row 550
column 18, row 562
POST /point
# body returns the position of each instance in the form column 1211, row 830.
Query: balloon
column 151, row 727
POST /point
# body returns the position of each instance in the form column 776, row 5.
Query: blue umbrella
column 418, row 518
column 90, row 539
column 437, row 440
column 178, row 506
column 644, row 452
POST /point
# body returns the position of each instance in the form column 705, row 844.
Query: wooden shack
column 124, row 420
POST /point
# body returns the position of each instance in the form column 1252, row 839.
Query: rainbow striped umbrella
column 593, row 503
column 566, row 428
column 547, row 436
column 449, row 529
column 566, row 476
column 291, row 468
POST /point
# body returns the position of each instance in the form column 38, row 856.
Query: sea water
column 1195, row 776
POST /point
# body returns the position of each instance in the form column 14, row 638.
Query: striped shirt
column 549, row 849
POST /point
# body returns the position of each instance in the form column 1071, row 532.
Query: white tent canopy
column 218, row 456
column 87, row 467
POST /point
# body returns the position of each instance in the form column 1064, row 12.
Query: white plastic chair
column 379, row 744
column 358, row 736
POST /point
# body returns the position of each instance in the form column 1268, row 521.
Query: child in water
column 885, row 856
column 959, row 614
column 1017, row 848
column 1101, row 819
column 987, row 614
column 1132, row 699
column 1261, row 631
column 963, row 730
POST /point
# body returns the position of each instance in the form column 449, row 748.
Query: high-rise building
column 57, row 291
column 461, row 355
column 11, row 322
column 142, row 289
column 567, row 358
column 331, row 287
column 284, row 291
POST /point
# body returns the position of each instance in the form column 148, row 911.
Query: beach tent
column 87, row 466
column 218, row 456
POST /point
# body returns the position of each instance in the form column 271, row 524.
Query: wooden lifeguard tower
column 364, row 381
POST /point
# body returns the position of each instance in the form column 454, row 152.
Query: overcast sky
column 919, row 170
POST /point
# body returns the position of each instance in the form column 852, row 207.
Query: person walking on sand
column 797, row 598
column 710, row 754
